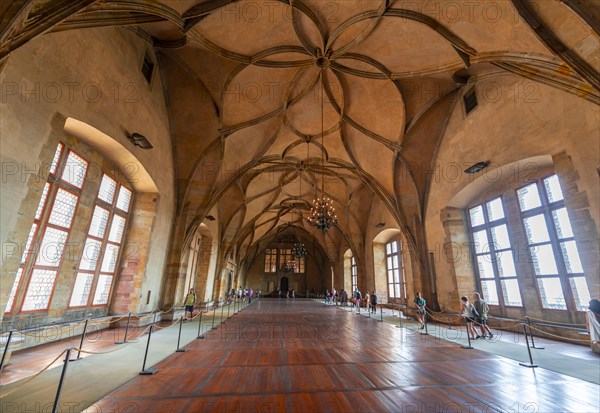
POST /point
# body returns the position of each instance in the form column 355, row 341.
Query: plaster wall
column 515, row 119
column 93, row 76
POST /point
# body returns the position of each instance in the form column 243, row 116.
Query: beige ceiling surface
column 252, row 85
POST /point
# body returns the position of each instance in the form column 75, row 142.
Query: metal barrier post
column 200, row 336
column 530, row 365
column 468, row 335
column 213, row 319
column 180, row 350
column 81, row 342
column 399, row 322
column 55, row 408
column 6, row 349
column 228, row 306
column 151, row 370
column 381, row 314
column 126, row 330
column 531, row 332
column 222, row 311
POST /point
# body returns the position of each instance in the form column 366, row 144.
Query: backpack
column 474, row 312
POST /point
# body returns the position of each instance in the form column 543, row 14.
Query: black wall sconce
column 477, row 167
column 140, row 140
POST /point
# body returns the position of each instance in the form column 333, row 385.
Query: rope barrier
column 516, row 323
column 556, row 322
column 4, row 394
column 564, row 338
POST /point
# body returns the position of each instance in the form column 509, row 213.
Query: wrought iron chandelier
column 322, row 213
column 289, row 266
column 299, row 250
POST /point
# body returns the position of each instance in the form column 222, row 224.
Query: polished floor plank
column 295, row 356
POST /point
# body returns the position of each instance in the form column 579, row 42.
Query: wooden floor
column 299, row 356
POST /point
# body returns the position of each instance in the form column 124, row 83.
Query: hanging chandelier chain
column 322, row 214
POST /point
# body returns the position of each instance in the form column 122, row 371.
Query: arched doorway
column 284, row 283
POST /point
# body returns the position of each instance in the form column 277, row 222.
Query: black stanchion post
column 200, row 336
column 10, row 333
column 151, row 370
column 180, row 350
column 81, row 341
column 531, row 333
column 381, row 314
column 399, row 322
column 126, row 330
column 63, row 374
column 213, row 319
column 222, row 311
column 531, row 365
column 468, row 335
column 228, row 306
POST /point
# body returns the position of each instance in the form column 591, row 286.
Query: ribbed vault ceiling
column 244, row 82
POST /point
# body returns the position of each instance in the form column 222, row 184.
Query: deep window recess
column 560, row 279
column 494, row 255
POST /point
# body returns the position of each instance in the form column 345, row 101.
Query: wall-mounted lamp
column 140, row 140
column 477, row 167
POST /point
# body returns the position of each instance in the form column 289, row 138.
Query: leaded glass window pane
column 581, row 293
column 486, row 269
column 495, row 210
column 511, row 293
column 124, row 199
column 91, row 254
column 99, row 222
column 562, row 223
column 40, row 208
column 488, row 289
column 536, row 230
column 543, row 260
column 102, row 289
column 81, row 290
column 116, row 229
column 108, row 186
column 553, row 189
column 500, row 237
column 571, row 257
column 481, row 242
column 63, row 209
column 27, row 249
column 75, row 169
column 13, row 291
column 57, row 154
column 109, row 262
column 39, row 290
column 51, row 247
column 477, row 217
column 506, row 264
column 529, row 197
column 551, row 293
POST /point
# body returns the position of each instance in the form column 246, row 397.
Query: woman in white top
column 467, row 310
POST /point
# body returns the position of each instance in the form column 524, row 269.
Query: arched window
column 557, row 267
column 47, row 243
column 354, row 273
column 494, row 255
column 395, row 270
column 99, row 258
